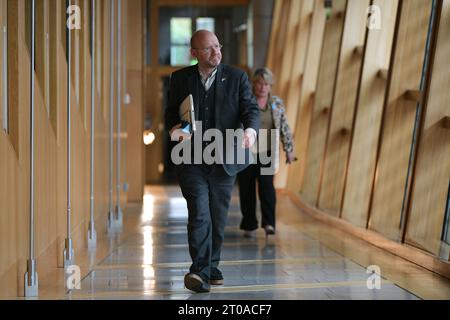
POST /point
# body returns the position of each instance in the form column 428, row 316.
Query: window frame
column 174, row 44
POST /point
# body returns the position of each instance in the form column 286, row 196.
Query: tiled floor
column 297, row 263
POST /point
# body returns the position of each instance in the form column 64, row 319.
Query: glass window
column 446, row 228
column 180, row 36
column 3, row 66
column 206, row 24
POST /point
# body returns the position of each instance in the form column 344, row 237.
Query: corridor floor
column 304, row 260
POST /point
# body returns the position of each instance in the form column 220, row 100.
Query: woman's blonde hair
column 263, row 73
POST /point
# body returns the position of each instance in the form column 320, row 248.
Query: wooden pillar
column 135, row 110
column 361, row 168
column 432, row 172
column 305, row 100
column 348, row 77
column 323, row 100
column 399, row 118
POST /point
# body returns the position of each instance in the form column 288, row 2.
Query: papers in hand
column 187, row 114
column 187, row 117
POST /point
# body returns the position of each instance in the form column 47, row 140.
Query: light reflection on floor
column 150, row 263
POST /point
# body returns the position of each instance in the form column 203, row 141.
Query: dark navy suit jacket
column 235, row 105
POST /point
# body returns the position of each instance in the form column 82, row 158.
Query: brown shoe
column 195, row 282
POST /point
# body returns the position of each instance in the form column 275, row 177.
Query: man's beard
column 214, row 64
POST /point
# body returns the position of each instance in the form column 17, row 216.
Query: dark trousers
column 247, row 194
column 207, row 190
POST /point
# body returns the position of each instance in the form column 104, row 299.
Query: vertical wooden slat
column 51, row 154
column 15, row 32
column 432, row 173
column 134, row 119
column 274, row 33
column 323, row 102
column 54, row 64
column 343, row 107
column 288, row 53
column 85, row 65
column 154, row 156
column 292, row 75
column 306, row 97
column 361, row 168
column 40, row 45
column 58, row 117
column 3, row 25
column 399, row 118
column 280, row 43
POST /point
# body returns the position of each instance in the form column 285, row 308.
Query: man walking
column 223, row 100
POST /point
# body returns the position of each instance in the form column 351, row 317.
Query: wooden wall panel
column 399, row 118
column 432, row 173
column 288, row 49
column 280, row 43
column 51, row 160
column 59, row 95
column 15, row 31
column 85, row 64
column 135, row 110
column 322, row 102
column 274, row 33
column 295, row 65
column 154, row 157
column 361, row 168
column 42, row 49
column 3, row 37
column 349, row 71
column 55, row 83
column 306, row 97
column 14, row 155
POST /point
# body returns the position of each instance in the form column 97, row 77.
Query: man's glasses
column 216, row 47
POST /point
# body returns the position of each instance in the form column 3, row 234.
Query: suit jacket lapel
column 220, row 92
column 193, row 89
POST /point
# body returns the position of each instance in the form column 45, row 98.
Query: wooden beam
column 444, row 123
column 368, row 119
column 344, row 132
column 359, row 50
column 386, row 211
column 383, row 74
column 344, row 106
column 309, row 41
column 276, row 22
column 413, row 95
column 429, row 185
column 322, row 107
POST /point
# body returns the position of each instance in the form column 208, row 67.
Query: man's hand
column 249, row 138
column 176, row 134
column 178, row 126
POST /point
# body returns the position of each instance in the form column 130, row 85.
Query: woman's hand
column 249, row 138
column 290, row 157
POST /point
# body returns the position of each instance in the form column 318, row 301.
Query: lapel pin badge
column 223, row 79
